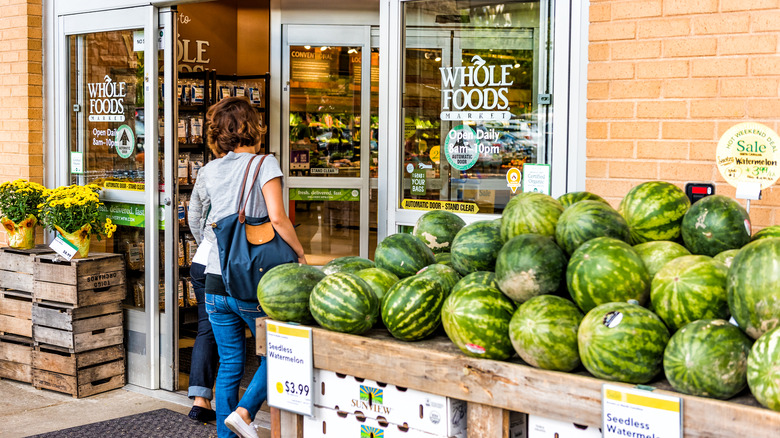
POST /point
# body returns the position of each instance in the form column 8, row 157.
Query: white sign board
column 77, row 163
column 639, row 413
column 290, row 367
column 64, row 248
column 139, row 41
column 536, row 178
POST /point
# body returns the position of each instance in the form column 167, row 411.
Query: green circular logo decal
column 461, row 147
column 124, row 142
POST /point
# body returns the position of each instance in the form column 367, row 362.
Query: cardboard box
column 429, row 413
column 539, row 427
column 329, row 423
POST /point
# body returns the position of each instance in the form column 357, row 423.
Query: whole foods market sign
column 477, row 92
column 107, row 100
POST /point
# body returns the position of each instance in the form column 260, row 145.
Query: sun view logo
column 371, row 399
column 371, row 432
column 106, row 100
column 486, row 96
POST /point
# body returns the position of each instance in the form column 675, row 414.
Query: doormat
column 162, row 423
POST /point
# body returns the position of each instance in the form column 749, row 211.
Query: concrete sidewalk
column 26, row 411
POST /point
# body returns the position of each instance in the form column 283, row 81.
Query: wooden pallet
column 17, row 265
column 15, row 313
column 78, row 374
column 97, row 279
column 76, row 335
column 16, row 358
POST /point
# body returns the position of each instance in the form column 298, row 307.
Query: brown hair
column 232, row 123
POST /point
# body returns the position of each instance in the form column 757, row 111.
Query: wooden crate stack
column 16, row 286
column 77, row 326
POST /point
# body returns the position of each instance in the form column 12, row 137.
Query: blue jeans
column 205, row 359
column 228, row 317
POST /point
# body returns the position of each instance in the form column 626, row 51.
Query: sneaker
column 235, row 423
column 203, row 415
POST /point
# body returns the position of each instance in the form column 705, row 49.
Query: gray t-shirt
column 219, row 184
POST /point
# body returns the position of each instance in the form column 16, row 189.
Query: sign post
column 290, row 367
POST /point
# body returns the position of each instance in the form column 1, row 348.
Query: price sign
column 637, row 412
column 64, row 248
column 290, row 367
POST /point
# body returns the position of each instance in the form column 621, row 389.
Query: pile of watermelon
column 630, row 294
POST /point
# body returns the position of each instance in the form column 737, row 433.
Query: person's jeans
column 228, row 316
column 205, row 359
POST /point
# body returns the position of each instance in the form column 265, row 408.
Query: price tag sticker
column 64, row 248
column 637, row 412
column 290, row 367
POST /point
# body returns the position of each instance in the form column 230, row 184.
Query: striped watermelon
column 284, row 291
column 443, row 258
column 403, row 255
column 690, row 288
column 445, row 275
column 605, row 270
column 763, row 369
column 476, row 319
column 529, row 265
column 708, row 358
column 656, row 254
column 768, row 232
column 349, row 264
column 654, row 211
column 530, row 212
column 343, row 302
column 753, row 287
column 573, row 197
column 622, row 342
column 726, row 257
column 714, row 224
column 379, row 279
column 476, row 247
column 543, row 331
column 586, row 220
column 411, row 309
column 479, row 278
column 437, row 228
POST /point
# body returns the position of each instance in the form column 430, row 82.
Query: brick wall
column 21, row 91
column 666, row 78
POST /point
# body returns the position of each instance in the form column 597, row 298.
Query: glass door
column 110, row 116
column 328, row 136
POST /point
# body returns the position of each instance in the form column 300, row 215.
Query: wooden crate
column 78, row 374
column 16, row 314
column 17, row 265
column 97, row 279
column 77, row 329
column 16, row 358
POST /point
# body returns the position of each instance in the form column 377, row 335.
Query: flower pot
column 21, row 235
column 80, row 238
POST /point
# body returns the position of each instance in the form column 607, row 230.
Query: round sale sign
column 748, row 153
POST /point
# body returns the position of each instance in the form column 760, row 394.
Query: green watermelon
column 753, row 287
column 529, row 265
column 349, row 264
column 726, row 257
column 622, row 342
column 443, row 258
column 690, row 288
column 654, row 211
column 476, row 247
column 530, row 212
column 411, row 309
column 343, row 302
column 657, row 253
column 708, row 358
column 476, row 319
column 768, row 232
column 284, row 291
column 714, row 224
column 379, row 279
column 479, row 278
column 763, row 369
column 437, row 228
column 605, row 270
column 586, row 220
column 543, row 331
column 403, row 255
column 571, row 198
column 445, row 275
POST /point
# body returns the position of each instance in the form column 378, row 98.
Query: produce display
column 753, row 287
column 403, row 255
column 714, row 224
column 654, row 211
column 586, row 220
column 445, row 275
column 284, row 291
column 349, row 264
column 529, row 265
column 658, row 253
column 476, row 247
column 437, row 229
column 571, row 198
column 379, row 279
column 411, row 309
column 530, row 212
column 343, row 302
column 479, row 278
column 763, row 374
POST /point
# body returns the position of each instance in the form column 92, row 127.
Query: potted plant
column 19, row 211
column 73, row 211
